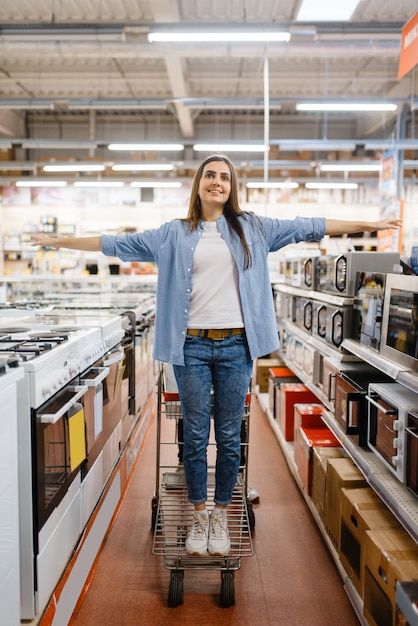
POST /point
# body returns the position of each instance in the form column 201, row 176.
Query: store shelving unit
column 287, row 449
column 398, row 499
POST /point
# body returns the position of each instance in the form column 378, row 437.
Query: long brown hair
column 232, row 209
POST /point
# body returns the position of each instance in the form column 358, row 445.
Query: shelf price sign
column 409, row 47
column 391, row 206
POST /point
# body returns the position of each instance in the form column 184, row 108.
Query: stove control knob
column 74, row 366
column 395, row 461
column 47, row 387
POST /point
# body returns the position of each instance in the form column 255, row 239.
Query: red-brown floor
column 290, row 580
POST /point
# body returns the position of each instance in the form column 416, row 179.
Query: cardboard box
column 305, row 441
column 291, row 394
column 340, row 473
column 391, row 555
column 277, row 376
column 319, row 475
column 308, row 415
column 262, row 372
column 361, row 510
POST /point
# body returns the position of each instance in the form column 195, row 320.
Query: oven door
column 93, row 412
column 308, row 273
column 60, row 448
column 338, row 325
column 385, row 427
column 351, row 408
column 330, row 370
column 412, row 452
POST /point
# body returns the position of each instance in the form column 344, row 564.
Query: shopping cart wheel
column 227, row 590
column 251, row 516
column 176, row 590
column 154, row 507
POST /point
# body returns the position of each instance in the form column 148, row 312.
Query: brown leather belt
column 215, row 333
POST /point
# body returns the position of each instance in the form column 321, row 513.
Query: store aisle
column 290, row 580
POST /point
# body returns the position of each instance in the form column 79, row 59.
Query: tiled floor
column 290, row 581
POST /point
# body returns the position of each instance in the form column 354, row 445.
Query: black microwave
column 399, row 340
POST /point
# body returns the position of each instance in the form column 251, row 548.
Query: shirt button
column 188, row 290
column 192, row 249
column 188, row 269
column 185, row 310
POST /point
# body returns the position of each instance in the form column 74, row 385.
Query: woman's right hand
column 45, row 241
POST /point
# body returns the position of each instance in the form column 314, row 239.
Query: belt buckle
column 217, row 334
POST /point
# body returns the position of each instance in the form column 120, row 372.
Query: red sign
column 409, row 47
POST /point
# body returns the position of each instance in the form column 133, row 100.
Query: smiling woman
column 213, row 276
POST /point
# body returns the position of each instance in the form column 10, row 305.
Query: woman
column 215, row 314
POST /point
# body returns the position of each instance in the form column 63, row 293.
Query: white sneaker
column 197, row 540
column 252, row 495
column 218, row 542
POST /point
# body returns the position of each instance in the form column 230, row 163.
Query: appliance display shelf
column 315, row 295
column 402, row 503
column 408, row 378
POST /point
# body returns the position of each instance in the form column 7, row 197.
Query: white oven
column 388, row 407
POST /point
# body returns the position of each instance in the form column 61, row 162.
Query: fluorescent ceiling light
column 273, row 185
column 156, row 183
column 331, row 185
column 351, row 167
column 326, row 11
column 142, row 167
column 315, row 145
column 230, row 147
column 99, row 183
column 346, row 106
column 76, row 167
column 146, row 146
column 391, row 144
column 218, row 37
column 40, row 183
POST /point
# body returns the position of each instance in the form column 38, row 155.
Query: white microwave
column 399, row 336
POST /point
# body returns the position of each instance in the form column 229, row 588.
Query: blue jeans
column 224, row 365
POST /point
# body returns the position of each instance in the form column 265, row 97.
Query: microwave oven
column 368, row 308
column 303, row 271
column 338, row 273
column 399, row 340
column 389, row 405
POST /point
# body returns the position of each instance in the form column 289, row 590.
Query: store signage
column 391, row 206
column 409, row 47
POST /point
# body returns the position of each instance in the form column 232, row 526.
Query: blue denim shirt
column 172, row 246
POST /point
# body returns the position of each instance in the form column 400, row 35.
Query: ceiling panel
column 53, row 71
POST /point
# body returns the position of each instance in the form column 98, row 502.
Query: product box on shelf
column 262, row 372
column 278, row 376
column 291, row 394
column 391, row 555
column 308, row 415
column 320, row 458
column 361, row 510
column 306, row 439
column 340, row 473
column 406, row 603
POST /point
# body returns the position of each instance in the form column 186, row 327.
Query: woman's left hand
column 387, row 224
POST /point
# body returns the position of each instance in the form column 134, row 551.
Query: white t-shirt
column 215, row 301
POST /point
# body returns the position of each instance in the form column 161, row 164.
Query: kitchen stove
column 11, row 376
column 53, row 353
column 50, row 356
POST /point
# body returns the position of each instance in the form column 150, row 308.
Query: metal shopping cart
column 172, row 513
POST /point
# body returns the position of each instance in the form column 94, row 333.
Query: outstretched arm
column 89, row 244
column 347, row 227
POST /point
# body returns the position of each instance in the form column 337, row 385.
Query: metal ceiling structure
column 76, row 75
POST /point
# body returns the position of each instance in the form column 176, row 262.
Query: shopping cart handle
column 171, row 396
